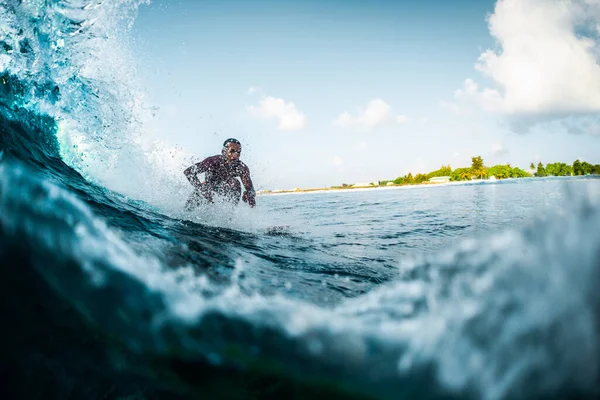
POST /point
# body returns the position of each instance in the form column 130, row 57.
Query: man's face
column 232, row 151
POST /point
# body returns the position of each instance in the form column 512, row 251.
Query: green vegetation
column 409, row 179
column 506, row 171
column 583, row 168
column 562, row 169
column 446, row 170
column 478, row 170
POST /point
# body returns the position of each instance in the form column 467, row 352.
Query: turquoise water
column 396, row 222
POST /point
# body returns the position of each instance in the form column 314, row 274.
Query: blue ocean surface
column 483, row 290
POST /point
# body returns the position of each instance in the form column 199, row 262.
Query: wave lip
column 71, row 61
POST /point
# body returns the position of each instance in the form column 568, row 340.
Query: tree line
column 478, row 170
column 562, row 169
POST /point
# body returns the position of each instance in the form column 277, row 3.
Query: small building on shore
column 439, row 179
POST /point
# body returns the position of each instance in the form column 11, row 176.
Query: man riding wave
column 221, row 177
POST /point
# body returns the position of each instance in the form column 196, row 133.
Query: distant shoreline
column 349, row 188
column 396, row 186
column 478, row 172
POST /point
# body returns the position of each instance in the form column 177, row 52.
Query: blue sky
column 328, row 92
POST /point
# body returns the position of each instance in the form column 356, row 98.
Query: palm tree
column 464, row 174
column 477, row 167
column 481, row 173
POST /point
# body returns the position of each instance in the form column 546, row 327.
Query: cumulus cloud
column 289, row 117
column 546, row 65
column 488, row 99
column 253, row 89
column 401, row 119
column 577, row 125
column 344, row 120
column 375, row 113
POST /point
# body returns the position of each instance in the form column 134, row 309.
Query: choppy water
column 109, row 290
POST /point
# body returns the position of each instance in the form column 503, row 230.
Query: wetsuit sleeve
column 191, row 173
column 249, row 195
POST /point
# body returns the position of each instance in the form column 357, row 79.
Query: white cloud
column 401, row 119
column 546, row 66
column 337, row 161
column 253, row 89
column 290, row 118
column 344, row 120
column 361, row 145
column 488, row 99
column 373, row 114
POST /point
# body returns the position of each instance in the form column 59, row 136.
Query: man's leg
column 193, row 201
column 232, row 190
column 202, row 196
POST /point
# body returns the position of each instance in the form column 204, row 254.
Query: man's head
column 231, row 149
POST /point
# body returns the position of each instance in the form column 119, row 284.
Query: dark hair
column 231, row 140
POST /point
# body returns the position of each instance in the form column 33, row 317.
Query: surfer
column 221, row 173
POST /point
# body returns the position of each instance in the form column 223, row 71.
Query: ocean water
column 483, row 290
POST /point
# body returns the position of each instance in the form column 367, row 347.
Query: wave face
column 108, row 291
column 70, row 61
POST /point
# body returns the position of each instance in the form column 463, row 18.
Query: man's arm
column 191, row 173
column 249, row 195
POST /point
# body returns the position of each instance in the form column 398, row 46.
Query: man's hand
column 249, row 198
column 199, row 185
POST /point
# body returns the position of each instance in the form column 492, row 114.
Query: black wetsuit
column 220, row 178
